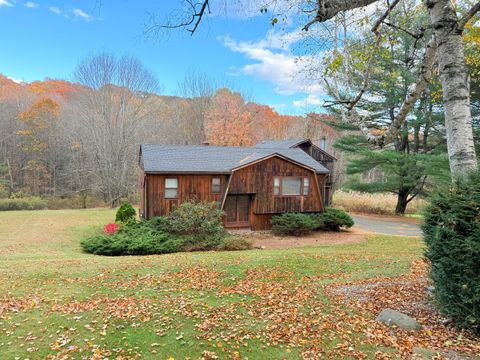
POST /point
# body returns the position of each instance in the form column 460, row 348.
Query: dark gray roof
column 278, row 144
column 288, row 144
column 156, row 158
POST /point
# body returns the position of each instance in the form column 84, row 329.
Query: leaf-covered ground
column 311, row 302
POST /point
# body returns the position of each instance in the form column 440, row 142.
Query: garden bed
column 268, row 240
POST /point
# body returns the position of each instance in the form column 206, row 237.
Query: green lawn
column 261, row 304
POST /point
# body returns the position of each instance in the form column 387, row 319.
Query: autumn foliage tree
column 229, row 123
column 80, row 140
column 39, row 133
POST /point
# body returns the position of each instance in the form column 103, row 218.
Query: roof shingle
column 278, row 144
column 157, row 158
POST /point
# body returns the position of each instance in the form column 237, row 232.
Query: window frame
column 306, row 186
column 219, row 185
column 170, row 188
column 280, row 187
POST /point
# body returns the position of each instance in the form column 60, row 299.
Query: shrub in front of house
column 296, row 224
column 125, row 213
column 193, row 226
column 133, row 238
column 333, row 220
column 452, row 235
column 199, row 220
column 300, row 224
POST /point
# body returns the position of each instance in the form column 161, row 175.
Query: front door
column 237, row 209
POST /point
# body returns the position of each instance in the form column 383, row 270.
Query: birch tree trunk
column 455, row 85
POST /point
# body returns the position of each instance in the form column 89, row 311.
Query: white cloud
column 5, row 3
column 18, row 81
column 30, row 5
column 273, row 61
column 55, row 10
column 308, row 100
column 78, row 13
column 74, row 14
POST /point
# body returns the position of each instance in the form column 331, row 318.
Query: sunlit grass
column 42, row 266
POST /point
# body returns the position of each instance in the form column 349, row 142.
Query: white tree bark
column 455, row 85
column 327, row 9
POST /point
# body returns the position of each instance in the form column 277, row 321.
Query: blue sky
column 47, row 39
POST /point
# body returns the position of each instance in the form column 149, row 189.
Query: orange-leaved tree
column 229, row 123
column 38, row 133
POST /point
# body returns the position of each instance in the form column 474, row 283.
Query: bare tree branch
column 416, row 36
column 381, row 19
column 197, row 13
column 470, row 13
column 351, row 116
column 199, row 16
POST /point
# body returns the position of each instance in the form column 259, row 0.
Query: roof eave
column 275, row 154
column 324, row 152
column 187, row 172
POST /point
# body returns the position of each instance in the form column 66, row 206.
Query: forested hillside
column 59, row 138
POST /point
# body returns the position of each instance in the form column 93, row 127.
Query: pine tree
column 417, row 157
column 406, row 174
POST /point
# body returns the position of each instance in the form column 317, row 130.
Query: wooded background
column 82, row 138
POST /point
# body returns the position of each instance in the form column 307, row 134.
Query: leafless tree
column 111, row 107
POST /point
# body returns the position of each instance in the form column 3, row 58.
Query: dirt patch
column 267, row 240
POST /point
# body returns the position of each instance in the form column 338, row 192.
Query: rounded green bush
column 452, row 235
column 133, row 238
column 296, row 224
column 190, row 227
column 333, row 219
column 200, row 220
column 125, row 213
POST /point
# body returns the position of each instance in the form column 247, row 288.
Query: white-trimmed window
column 291, row 186
column 171, row 188
column 276, row 186
column 306, row 186
column 216, row 185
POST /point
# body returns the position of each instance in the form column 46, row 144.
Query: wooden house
column 249, row 183
column 314, row 151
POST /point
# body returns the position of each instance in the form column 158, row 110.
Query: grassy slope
column 255, row 304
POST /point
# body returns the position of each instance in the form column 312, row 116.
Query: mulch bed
column 267, row 240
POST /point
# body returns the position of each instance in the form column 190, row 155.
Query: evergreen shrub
column 333, row 219
column 296, row 224
column 452, row 234
column 300, row 224
column 125, row 213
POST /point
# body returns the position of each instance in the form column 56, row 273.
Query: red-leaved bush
column 111, row 228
